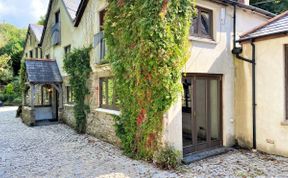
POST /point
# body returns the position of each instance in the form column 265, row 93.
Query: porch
column 43, row 97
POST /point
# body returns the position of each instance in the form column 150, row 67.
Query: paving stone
column 58, row 151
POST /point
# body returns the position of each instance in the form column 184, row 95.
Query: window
column 47, row 56
column 202, row 25
column 57, row 17
column 286, row 78
column 36, row 52
column 26, row 54
column 47, row 95
column 99, row 40
column 108, row 99
column 70, row 96
column 67, row 49
column 56, row 35
column 101, row 19
column 41, row 53
column 31, row 54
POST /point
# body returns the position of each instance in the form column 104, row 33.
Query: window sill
column 69, row 105
column 204, row 40
column 284, row 123
column 108, row 111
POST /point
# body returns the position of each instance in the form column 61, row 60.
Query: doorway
column 201, row 112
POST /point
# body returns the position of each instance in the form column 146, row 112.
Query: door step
column 197, row 156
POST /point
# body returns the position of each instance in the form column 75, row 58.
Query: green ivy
column 148, row 46
column 77, row 65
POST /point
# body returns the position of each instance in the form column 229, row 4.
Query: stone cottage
column 205, row 116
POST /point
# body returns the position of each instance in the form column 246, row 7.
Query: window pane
column 205, row 23
column 103, row 92
column 194, row 26
column 110, row 91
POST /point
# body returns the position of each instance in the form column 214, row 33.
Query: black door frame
column 209, row 144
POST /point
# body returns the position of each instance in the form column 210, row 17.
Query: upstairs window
column 286, row 77
column 31, row 54
column 99, row 40
column 57, row 17
column 108, row 99
column 202, row 24
column 67, row 49
column 56, row 34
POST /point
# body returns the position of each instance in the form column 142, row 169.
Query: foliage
column 167, row 158
column 12, row 93
column 274, row 6
column 11, row 44
column 146, row 62
column 6, row 73
column 77, row 65
column 42, row 20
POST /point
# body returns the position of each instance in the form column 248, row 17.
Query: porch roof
column 42, row 71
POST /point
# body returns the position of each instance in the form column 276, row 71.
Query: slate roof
column 72, row 6
column 42, row 71
column 276, row 25
column 37, row 30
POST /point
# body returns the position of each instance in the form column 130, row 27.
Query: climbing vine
column 147, row 42
column 77, row 65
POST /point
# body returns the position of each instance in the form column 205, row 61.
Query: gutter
column 237, row 51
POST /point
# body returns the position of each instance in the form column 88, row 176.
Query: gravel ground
column 57, row 151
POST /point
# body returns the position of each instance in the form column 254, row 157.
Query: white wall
column 214, row 57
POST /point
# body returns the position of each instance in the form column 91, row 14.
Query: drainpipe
column 237, row 51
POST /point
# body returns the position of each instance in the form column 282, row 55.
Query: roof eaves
column 80, row 12
column 264, row 24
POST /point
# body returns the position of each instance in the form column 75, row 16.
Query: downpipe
column 237, row 51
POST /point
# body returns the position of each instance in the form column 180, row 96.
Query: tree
column 42, row 20
column 6, row 73
column 274, row 6
column 12, row 42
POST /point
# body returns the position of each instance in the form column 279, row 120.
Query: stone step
column 197, row 156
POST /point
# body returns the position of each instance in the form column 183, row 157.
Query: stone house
column 206, row 114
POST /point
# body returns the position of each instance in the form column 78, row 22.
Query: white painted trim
column 204, row 40
column 108, row 111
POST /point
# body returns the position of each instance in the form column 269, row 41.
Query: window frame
column 112, row 106
column 69, row 95
column 286, row 80
column 57, row 17
column 211, row 31
column 31, row 53
column 67, row 49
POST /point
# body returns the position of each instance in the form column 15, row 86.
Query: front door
column 201, row 112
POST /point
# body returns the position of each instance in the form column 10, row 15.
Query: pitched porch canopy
column 43, row 72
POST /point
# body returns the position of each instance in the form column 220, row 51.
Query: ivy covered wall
column 148, row 46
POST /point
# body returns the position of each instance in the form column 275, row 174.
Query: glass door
column 201, row 110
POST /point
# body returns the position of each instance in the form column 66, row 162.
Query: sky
column 21, row 13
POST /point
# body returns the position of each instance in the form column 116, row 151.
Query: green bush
column 167, row 158
column 11, row 94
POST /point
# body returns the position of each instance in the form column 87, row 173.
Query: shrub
column 146, row 62
column 167, row 158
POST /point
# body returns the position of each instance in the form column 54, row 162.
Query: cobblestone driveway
column 57, row 151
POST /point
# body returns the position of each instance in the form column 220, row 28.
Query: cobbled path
column 57, row 151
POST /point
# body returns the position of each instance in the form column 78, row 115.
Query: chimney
column 247, row 2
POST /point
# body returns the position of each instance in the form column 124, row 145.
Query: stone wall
column 27, row 116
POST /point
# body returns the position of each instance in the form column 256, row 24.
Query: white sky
column 22, row 12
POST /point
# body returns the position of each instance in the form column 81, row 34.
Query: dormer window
column 99, row 40
column 57, row 17
column 56, row 33
column 202, row 24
